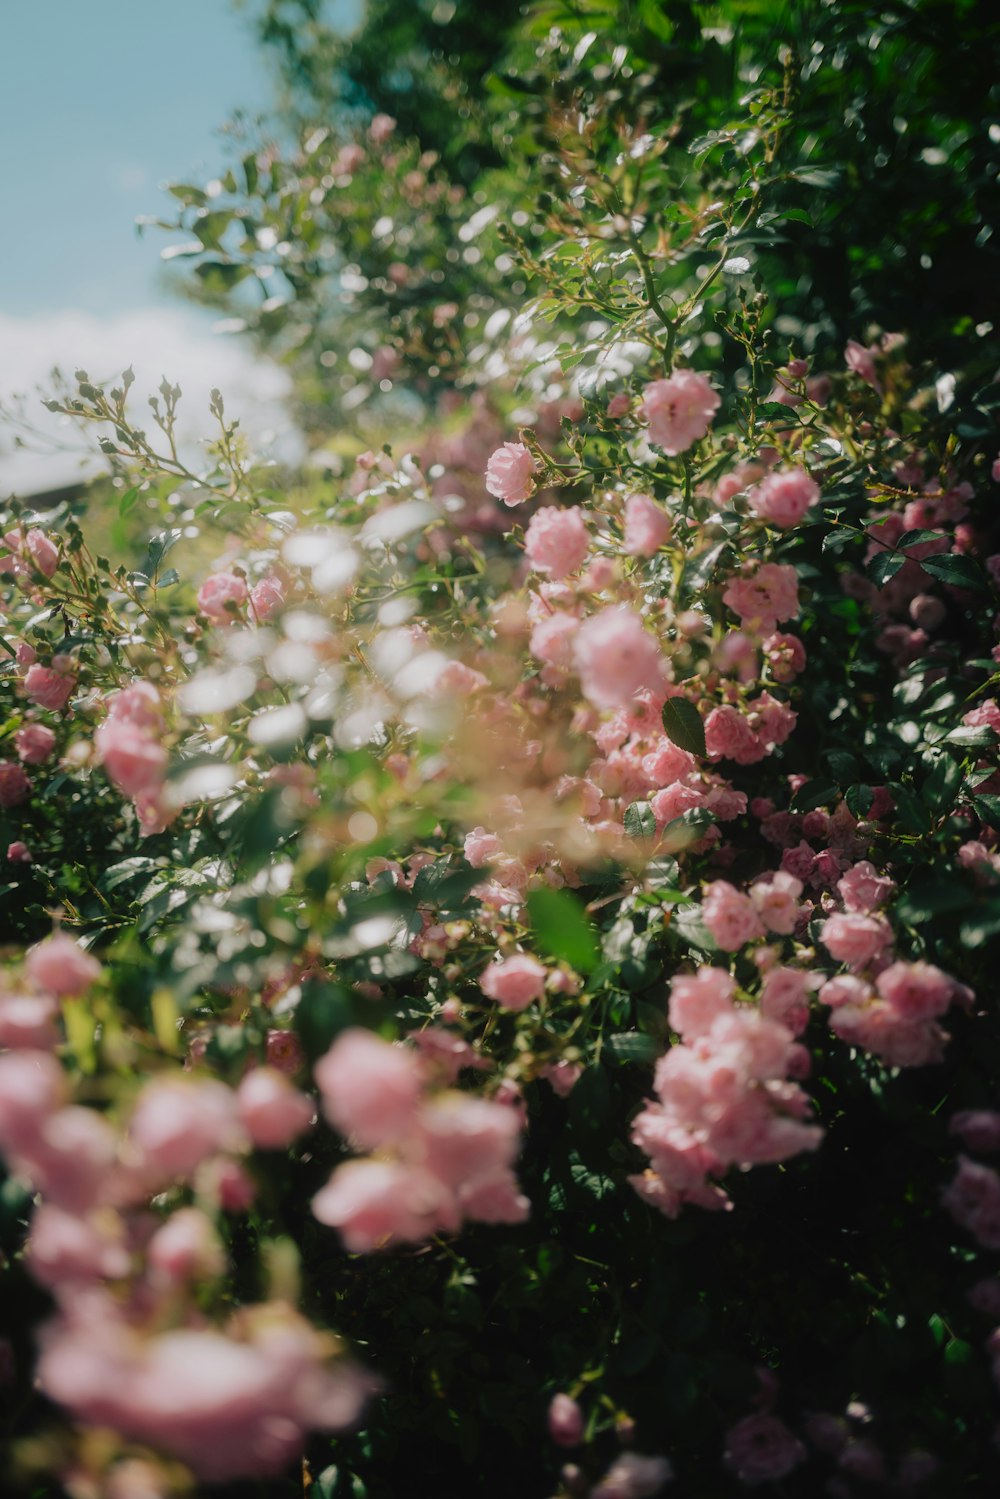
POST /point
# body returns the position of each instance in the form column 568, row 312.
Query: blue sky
column 101, row 101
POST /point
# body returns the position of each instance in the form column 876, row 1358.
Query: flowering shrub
column 501, row 939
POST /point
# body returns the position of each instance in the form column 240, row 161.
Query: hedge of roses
column 500, row 980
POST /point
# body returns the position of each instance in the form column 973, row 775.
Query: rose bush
column 501, row 934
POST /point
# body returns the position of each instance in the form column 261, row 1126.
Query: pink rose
column 647, row 527
column 221, row 597
column 515, row 982
column 765, row 597
column 135, row 762
column 730, row 916
column 761, row 1449
column 783, row 497
column 48, row 688
column 698, row 999
column 785, row 655
column 556, row 541
column 60, row 967
column 861, row 362
column 267, row 596
column 855, row 939
column 34, row 743
column 32, row 550
column 616, row 658
column 862, row 888
column 15, row 786
column 915, row 991
column 678, row 410
column 18, row 852
column 510, row 473
column 370, row 1089
column 565, row 1421
column 271, row 1110
column 179, row 1121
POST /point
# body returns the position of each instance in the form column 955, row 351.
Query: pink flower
column 786, row 656
column 633, row 1476
column 616, row 658
column 60, row 967
column 481, row 847
column 730, row 916
column 49, row 689
column 34, row 743
column 267, row 596
column 765, row 597
column 135, row 762
column 15, row 787
column 374, row 1203
column 776, row 900
column 565, row 1421
column 621, row 404
column 761, row 1449
column 178, row 1122
column 861, row 362
column 186, row 1248
column 973, row 1200
column 979, row 1129
column 855, row 939
column 698, row 999
column 552, row 639
column 18, row 852
column 271, row 1111
column 730, row 736
column 221, row 597
column 678, row 410
column 783, row 497
column 515, row 982
column 995, row 471
column 381, row 128
column 370, row 1088
column 647, row 527
column 32, row 550
column 915, row 991
column 556, row 541
column 27, row 1022
column 510, row 473
column 862, row 888
column 784, row 997
column 139, row 705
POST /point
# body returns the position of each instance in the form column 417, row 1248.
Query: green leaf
column 884, row 567
column 941, row 786
column 957, row 571
column 631, row 1046
column 972, row 738
column 129, row 500
column 988, row 808
column 931, row 898
column 682, row 723
column 563, row 929
column 640, row 821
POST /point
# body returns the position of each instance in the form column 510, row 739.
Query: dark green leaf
column 562, row 928
column 682, row 723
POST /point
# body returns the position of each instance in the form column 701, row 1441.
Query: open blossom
column 31, row 550
column 515, row 982
column 510, row 473
column 698, row 999
column 271, row 1110
column 679, row 410
column 785, row 655
column 34, row 743
column 179, row 1121
column 776, row 900
column 134, row 761
column 15, row 786
column 861, row 361
column 765, row 597
column 973, row 1200
column 783, row 496
column 60, row 967
column 48, row 686
column 761, row 1449
column 855, row 939
column 729, row 735
column 731, row 917
column 556, row 541
column 222, row 596
column 862, row 888
column 267, row 596
column 647, row 527
column 616, row 657
column 370, row 1089
column 565, row 1421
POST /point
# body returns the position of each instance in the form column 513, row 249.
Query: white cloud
column 156, row 342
